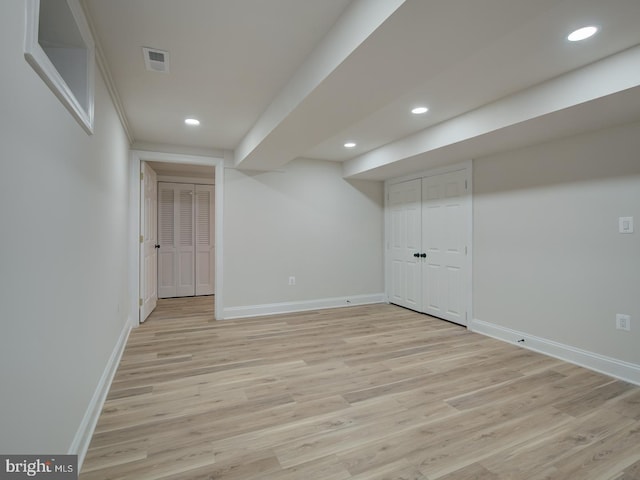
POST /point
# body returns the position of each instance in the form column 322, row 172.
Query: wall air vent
column 156, row 60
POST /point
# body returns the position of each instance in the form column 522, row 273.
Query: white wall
column 63, row 255
column 304, row 221
column 548, row 258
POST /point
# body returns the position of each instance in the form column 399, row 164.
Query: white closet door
column 405, row 244
column 185, row 262
column 444, row 237
column 167, row 254
column 184, row 213
column 205, row 247
column 149, row 254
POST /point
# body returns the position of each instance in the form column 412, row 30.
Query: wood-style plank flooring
column 360, row 393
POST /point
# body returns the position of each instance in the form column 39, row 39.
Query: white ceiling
column 273, row 80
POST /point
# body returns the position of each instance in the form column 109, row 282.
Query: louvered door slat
column 202, row 229
column 165, row 217
column 185, row 209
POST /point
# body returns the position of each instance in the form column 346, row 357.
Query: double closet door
column 428, row 267
column 185, row 240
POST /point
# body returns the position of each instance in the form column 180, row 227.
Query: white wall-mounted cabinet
column 186, row 240
column 428, row 243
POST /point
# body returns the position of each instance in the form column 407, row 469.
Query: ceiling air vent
column 156, row 60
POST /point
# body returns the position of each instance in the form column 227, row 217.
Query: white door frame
column 136, row 156
column 467, row 166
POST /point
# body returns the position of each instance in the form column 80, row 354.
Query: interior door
column 205, row 247
column 149, row 253
column 444, row 237
column 176, row 257
column 405, row 244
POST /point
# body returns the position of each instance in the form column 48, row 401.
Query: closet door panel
column 444, row 237
column 186, row 252
column 204, row 240
column 167, row 253
column 405, row 243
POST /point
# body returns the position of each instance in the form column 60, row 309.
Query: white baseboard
column 291, row 307
column 82, row 438
column 620, row 369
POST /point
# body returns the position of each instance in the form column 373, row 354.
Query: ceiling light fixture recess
column 582, row 33
column 349, row 145
column 419, row 110
column 192, row 121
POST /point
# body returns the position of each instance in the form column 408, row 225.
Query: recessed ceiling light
column 349, row 145
column 582, row 33
column 419, row 110
column 192, row 121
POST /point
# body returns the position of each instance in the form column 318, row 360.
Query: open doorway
column 200, row 176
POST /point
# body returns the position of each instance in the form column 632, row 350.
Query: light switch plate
column 625, row 224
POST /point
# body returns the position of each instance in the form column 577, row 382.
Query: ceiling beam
column 269, row 144
column 499, row 124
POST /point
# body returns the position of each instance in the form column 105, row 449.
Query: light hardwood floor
column 360, row 393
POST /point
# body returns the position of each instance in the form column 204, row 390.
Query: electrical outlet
column 292, row 280
column 625, row 224
column 623, row 322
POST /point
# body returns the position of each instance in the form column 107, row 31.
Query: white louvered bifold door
column 167, row 258
column 205, row 247
column 185, row 235
column 184, row 213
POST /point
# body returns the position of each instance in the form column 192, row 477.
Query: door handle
column 417, row 255
column 423, row 255
column 157, row 246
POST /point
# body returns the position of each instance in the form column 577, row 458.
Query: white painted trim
column 177, row 179
column 39, row 60
column 613, row 367
column 82, row 438
column 302, row 306
column 134, row 222
column 103, row 66
column 134, row 245
column 467, row 166
column 177, row 158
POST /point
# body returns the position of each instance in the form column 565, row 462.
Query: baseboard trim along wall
column 622, row 370
column 305, row 305
column 82, row 439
